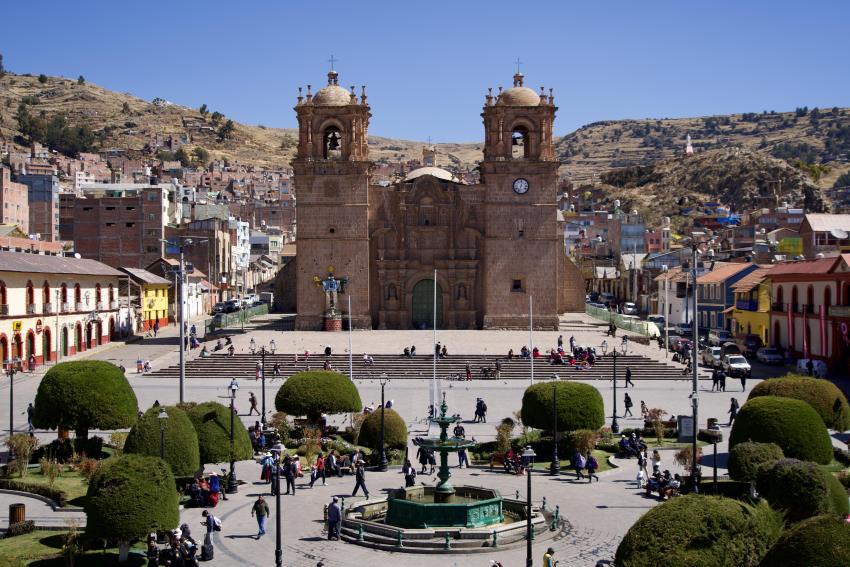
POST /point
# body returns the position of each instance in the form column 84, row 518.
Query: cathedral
column 497, row 246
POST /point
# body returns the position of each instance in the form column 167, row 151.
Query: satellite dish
column 838, row 233
column 77, row 255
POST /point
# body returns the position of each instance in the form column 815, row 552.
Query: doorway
column 423, row 305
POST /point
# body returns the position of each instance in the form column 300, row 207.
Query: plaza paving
column 599, row 514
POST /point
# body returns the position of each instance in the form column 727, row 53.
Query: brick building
column 43, row 191
column 14, row 201
column 493, row 245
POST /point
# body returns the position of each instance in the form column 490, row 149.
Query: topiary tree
column 704, row 531
column 823, row 541
column 579, row 406
column 85, row 394
column 181, row 440
column 837, row 495
column 212, row 424
column 801, row 490
column 130, row 497
column 745, row 459
column 395, row 430
column 824, row 396
column 791, row 424
column 313, row 393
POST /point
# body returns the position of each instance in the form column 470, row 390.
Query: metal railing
column 223, row 320
column 66, row 307
column 31, row 309
column 623, row 322
column 47, row 308
column 747, row 304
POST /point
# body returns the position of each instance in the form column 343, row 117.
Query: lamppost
column 278, row 550
column 555, row 466
column 528, row 457
column 382, row 458
column 232, row 487
column 271, row 348
column 11, row 369
column 163, row 418
column 615, row 427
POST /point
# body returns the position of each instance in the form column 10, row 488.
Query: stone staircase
column 243, row 366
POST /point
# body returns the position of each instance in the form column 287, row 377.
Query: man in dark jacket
column 360, row 476
column 334, row 519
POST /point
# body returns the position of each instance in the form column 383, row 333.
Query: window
column 332, row 143
column 152, row 196
column 151, row 216
column 129, row 224
column 152, row 249
column 519, row 143
column 516, row 285
column 30, row 294
column 78, row 293
column 64, row 293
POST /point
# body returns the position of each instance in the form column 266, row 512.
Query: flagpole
column 434, row 348
column 350, row 353
column 531, row 334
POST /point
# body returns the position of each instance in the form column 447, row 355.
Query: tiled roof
column 752, row 280
column 819, row 266
column 722, row 273
column 824, row 222
column 22, row 262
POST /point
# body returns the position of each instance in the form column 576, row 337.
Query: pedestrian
column 627, row 401
column 721, row 377
column 644, row 411
column 656, row 459
column 629, row 377
column 360, row 476
column 468, row 378
column 743, row 382
column 592, row 465
column 642, row 461
column 30, row 411
column 560, row 341
column 422, row 457
column 152, row 552
column 252, row 399
column 549, row 558
column 261, row 511
column 409, row 472
column 155, row 327
column 462, row 458
column 625, row 344
column 320, row 471
column 432, row 460
column 715, row 380
column 32, row 363
column 733, row 410
column 578, row 464
column 810, row 367
column 288, row 474
column 334, row 518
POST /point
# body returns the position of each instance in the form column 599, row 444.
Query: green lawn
column 44, row 548
column 834, row 467
column 70, row 482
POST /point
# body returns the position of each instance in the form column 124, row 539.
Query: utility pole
column 182, row 290
column 695, row 392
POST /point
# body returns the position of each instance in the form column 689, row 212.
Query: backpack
column 580, row 462
column 592, row 464
column 216, row 524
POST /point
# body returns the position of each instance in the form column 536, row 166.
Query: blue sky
column 427, row 65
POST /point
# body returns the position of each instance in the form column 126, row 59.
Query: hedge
column 823, row 541
column 791, row 424
column 130, row 497
column 181, row 440
column 801, row 490
column 700, row 531
column 395, row 430
column 824, row 396
column 212, row 424
column 313, row 393
column 58, row 496
column 83, row 395
column 578, row 406
column 746, row 458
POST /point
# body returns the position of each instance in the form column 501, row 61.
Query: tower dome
column 333, row 94
column 518, row 95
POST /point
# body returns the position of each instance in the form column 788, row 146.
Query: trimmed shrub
column 181, row 441
column 83, row 395
column 395, row 430
column 700, row 531
column 837, row 495
column 61, row 498
column 578, row 406
column 791, row 424
column 20, row 528
column 316, row 392
column 824, row 396
column 212, row 424
column 800, row 489
column 823, row 541
column 746, row 458
column 130, row 497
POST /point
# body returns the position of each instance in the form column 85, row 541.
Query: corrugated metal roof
column 26, row 263
column 146, row 276
column 819, row 266
column 824, row 222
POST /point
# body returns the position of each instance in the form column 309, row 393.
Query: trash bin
column 17, row 513
column 712, row 423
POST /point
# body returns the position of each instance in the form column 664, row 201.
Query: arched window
column 30, row 293
column 794, row 299
column 392, row 292
column 111, row 294
column 780, row 296
column 45, row 292
column 810, row 300
column 78, row 294
column 98, row 296
column 332, row 143
column 845, row 300
column 520, row 146
column 63, row 293
column 461, row 291
column 827, row 298
column 3, row 295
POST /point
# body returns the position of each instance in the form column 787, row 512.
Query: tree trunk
column 82, row 432
column 123, row 551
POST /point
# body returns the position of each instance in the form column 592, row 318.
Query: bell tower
column 331, row 179
column 523, row 249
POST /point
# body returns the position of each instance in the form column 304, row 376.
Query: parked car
column 735, row 365
column 220, row 307
column 659, row 321
column 711, row 357
column 717, row 337
column 749, row 344
column 607, row 299
column 768, row 355
column 630, row 308
column 818, row 367
column 233, row 305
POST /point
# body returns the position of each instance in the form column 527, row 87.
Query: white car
column 711, row 357
column 735, row 365
column 630, row 308
column 768, row 355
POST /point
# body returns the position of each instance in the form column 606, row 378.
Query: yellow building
column 152, row 305
column 751, row 312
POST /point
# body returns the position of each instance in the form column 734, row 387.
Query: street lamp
column 528, row 458
column 382, row 458
column 615, row 427
column 232, row 487
column 11, row 369
column 278, row 550
column 555, row 466
column 252, row 346
column 163, row 418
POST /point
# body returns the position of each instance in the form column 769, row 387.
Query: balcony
column 66, row 307
column 31, row 309
column 113, row 304
column 101, row 305
column 778, row 307
column 4, row 308
column 47, row 309
column 80, row 306
column 747, row 305
column 839, row 311
column 807, row 308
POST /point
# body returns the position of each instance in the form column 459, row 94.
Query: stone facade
column 496, row 246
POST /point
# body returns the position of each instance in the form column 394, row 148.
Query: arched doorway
column 777, row 334
column 30, row 347
column 46, row 345
column 78, row 339
column 4, row 349
column 112, row 336
column 423, row 305
column 99, row 331
column 89, row 341
column 64, row 345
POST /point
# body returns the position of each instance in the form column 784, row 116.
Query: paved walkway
column 39, row 511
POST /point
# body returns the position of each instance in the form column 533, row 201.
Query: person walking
column 733, row 410
column 360, row 476
column 432, row 460
column 252, row 399
column 627, row 402
column 289, row 473
column 743, row 382
column 155, row 327
column 409, row 472
column 560, row 341
column 591, row 465
column 422, row 457
column 642, row 460
column 334, row 518
column 644, row 411
column 715, row 380
column 320, row 471
column 656, row 459
column 30, row 412
column 261, row 511
column 721, row 381
column 578, row 464
column 629, row 377
column 549, row 558
column 462, row 458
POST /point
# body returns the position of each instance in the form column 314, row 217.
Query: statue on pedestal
column 332, row 286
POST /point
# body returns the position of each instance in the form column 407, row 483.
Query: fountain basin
column 425, row 507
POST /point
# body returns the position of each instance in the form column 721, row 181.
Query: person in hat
column 549, row 558
column 152, row 553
